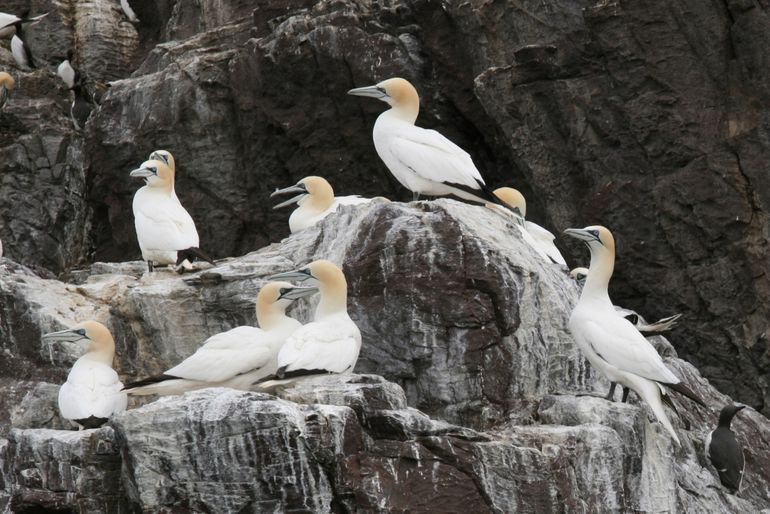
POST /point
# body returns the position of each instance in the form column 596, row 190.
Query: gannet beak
column 299, row 188
column 69, row 335
column 295, row 293
column 298, row 275
column 143, row 173
column 370, row 91
column 582, row 234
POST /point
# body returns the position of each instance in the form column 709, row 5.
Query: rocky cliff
column 648, row 116
column 464, row 319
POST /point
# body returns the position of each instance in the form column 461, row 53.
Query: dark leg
column 625, row 394
column 150, row 267
column 415, row 196
column 611, row 395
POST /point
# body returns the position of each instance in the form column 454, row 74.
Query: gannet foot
column 611, row 395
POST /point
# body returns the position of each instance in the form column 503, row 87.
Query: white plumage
column 66, row 72
column 130, row 14
column 163, row 226
column 423, row 161
column 238, row 357
column 21, row 53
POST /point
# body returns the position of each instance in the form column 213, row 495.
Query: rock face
column 486, row 352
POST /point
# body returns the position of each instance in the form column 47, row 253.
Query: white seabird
column 328, row 344
column 92, row 392
column 724, row 452
column 8, row 23
column 662, row 325
column 236, row 358
column 67, row 71
column 540, row 239
column 165, row 230
column 20, row 50
column 316, row 200
column 6, row 86
column 610, row 342
column 423, row 161
column 130, row 14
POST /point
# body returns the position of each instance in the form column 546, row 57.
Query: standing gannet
column 8, row 23
column 165, row 230
column 67, row 71
column 610, row 342
column 331, row 342
column 423, row 161
column 128, row 11
column 316, row 200
column 20, row 49
column 92, row 392
column 6, row 86
column 541, row 239
column 724, row 452
column 236, row 358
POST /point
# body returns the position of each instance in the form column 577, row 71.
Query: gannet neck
column 101, row 347
column 403, row 99
column 6, row 81
column 270, row 312
column 599, row 273
column 333, row 288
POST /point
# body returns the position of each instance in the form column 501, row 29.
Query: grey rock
column 39, row 409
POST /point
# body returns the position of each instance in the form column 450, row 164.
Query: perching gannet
column 8, row 23
column 236, row 358
column 724, row 452
column 662, row 325
column 6, row 86
column 165, row 230
column 610, row 342
column 423, row 161
column 316, row 200
column 92, row 392
column 20, row 49
column 541, row 239
column 331, row 342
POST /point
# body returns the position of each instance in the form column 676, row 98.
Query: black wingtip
column 149, row 381
column 686, row 391
column 191, row 254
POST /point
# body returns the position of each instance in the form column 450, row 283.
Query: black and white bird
column 67, row 71
column 130, row 14
column 724, row 451
column 8, row 23
column 20, row 49
column 81, row 107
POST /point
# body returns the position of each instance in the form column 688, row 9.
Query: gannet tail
column 685, row 391
column 192, row 253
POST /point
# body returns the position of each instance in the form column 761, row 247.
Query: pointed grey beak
column 370, row 91
column 579, row 233
column 297, row 275
column 295, row 293
column 69, row 335
column 299, row 188
column 142, row 173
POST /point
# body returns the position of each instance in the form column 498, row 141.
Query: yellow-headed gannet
column 6, row 86
column 92, row 392
column 724, row 452
column 328, row 344
column 316, row 200
column 165, row 230
column 8, row 23
column 423, row 161
column 610, row 342
column 236, row 358
column 128, row 11
column 165, row 156
column 540, row 239
column 67, row 71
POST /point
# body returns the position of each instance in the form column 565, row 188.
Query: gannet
column 724, row 452
column 8, row 23
column 67, row 71
column 128, row 11
column 81, row 107
column 328, row 344
column 165, row 230
column 92, row 392
column 6, row 86
column 423, row 161
column 316, row 200
column 541, row 239
column 20, row 49
column 236, row 358
column 610, row 342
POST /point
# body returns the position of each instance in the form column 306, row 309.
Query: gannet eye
column 81, row 332
column 283, row 291
column 594, row 233
column 153, row 169
column 382, row 90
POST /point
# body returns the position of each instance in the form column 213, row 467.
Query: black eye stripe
column 81, row 332
column 284, row 290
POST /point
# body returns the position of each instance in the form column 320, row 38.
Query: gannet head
column 316, row 189
column 155, row 174
column 163, row 156
column 6, row 81
column 281, row 294
column 396, row 92
column 91, row 335
column 322, row 271
column 579, row 274
column 513, row 198
column 595, row 237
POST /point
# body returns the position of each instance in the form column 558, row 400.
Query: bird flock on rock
column 283, row 350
